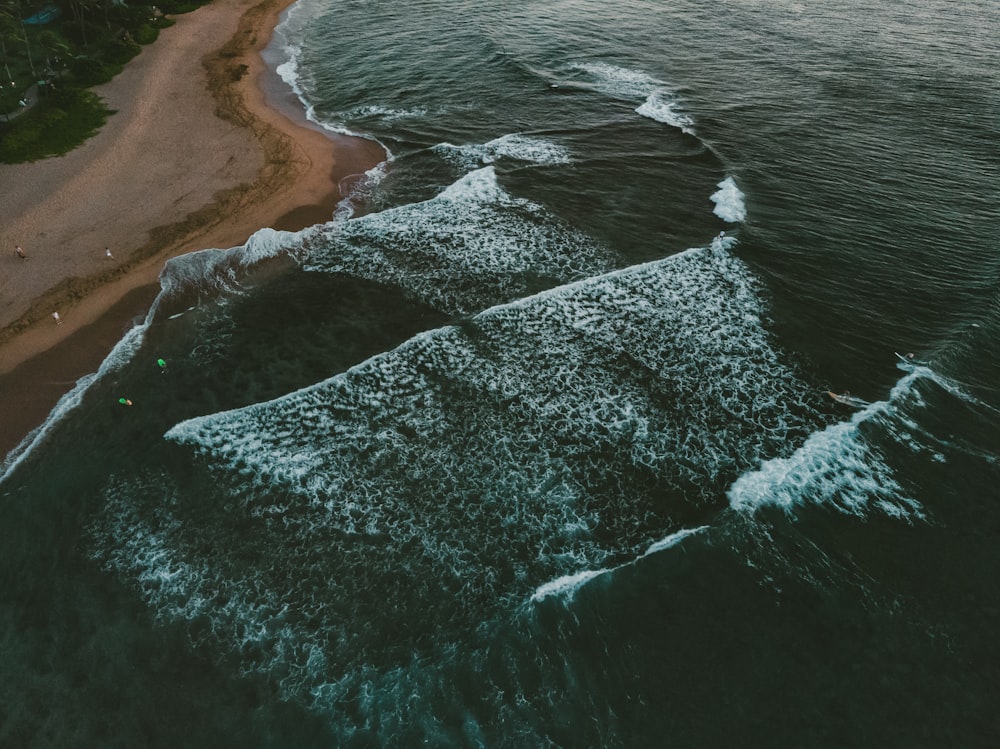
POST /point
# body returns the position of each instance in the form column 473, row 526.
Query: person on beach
column 19, row 252
column 162, row 365
column 107, row 253
column 55, row 316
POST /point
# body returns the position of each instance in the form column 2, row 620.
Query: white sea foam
column 263, row 244
column 729, row 202
column 837, row 466
column 660, row 102
column 568, row 585
column 665, row 108
column 565, row 586
column 358, row 189
column 217, row 272
column 617, row 80
column 386, row 113
column 124, row 351
column 472, row 246
column 513, row 146
column 673, row 539
column 522, row 446
column 290, row 70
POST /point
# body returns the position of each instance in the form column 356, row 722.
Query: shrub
column 57, row 124
column 89, row 71
column 119, row 51
column 145, row 34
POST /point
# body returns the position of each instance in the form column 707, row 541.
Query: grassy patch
column 57, row 124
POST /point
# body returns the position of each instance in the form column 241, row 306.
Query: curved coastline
column 243, row 165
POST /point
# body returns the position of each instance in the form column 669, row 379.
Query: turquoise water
column 516, row 450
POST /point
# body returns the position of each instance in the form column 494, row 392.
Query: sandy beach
column 193, row 158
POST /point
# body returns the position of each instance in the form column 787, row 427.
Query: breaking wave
column 729, row 202
column 470, row 247
column 660, row 102
column 564, row 432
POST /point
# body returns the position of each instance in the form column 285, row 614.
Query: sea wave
column 842, row 466
column 472, row 246
column 525, row 444
column 664, row 107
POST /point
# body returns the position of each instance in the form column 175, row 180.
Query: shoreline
column 289, row 179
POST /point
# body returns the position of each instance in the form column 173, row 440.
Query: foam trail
column 729, row 202
column 568, row 585
column 673, row 539
column 565, row 586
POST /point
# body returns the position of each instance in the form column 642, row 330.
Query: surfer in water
column 846, row 399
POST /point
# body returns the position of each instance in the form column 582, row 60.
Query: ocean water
column 517, row 450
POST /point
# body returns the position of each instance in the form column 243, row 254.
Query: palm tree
column 7, row 28
column 11, row 10
column 52, row 44
column 27, row 46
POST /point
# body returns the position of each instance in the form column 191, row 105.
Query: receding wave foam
column 470, row 247
column 564, row 432
column 292, row 28
column 730, row 202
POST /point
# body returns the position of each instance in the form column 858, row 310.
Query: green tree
column 12, row 27
column 8, row 28
column 54, row 46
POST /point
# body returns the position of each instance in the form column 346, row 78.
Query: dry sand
column 193, row 158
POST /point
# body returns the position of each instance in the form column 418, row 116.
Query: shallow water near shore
column 522, row 452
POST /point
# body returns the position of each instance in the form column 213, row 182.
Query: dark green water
column 525, row 455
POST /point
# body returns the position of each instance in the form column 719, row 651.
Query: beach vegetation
column 63, row 120
column 51, row 50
